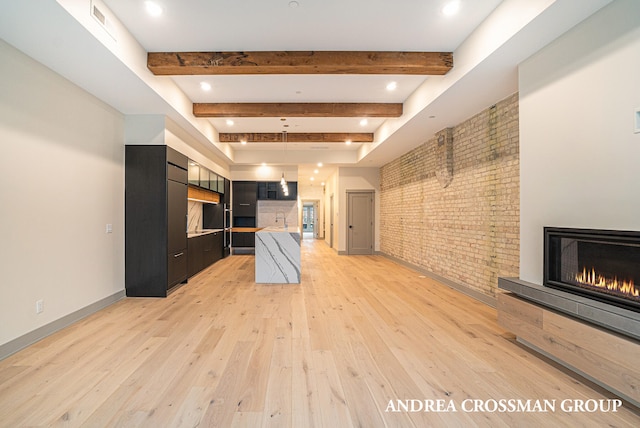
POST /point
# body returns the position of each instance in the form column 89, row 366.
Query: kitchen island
column 278, row 255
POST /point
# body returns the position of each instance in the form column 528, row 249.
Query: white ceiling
column 263, row 25
column 489, row 39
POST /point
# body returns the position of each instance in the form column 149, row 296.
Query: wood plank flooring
column 222, row 351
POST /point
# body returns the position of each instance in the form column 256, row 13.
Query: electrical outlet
column 39, row 306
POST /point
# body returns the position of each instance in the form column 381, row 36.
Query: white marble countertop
column 278, row 255
column 201, row 232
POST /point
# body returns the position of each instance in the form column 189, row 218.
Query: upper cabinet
column 221, row 184
column 244, row 199
column 272, row 190
column 194, row 173
column 205, row 178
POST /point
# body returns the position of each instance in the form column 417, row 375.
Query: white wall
column 579, row 156
column 264, row 173
column 331, row 189
column 357, row 179
column 62, row 181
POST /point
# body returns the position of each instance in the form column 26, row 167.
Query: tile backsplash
column 267, row 211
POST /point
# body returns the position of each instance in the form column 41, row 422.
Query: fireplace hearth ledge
column 609, row 316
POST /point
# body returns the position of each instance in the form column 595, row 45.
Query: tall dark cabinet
column 245, row 198
column 155, row 220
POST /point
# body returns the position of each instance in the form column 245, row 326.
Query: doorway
column 310, row 228
column 360, row 210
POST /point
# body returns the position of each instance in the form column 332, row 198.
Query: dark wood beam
column 277, row 137
column 299, row 62
column 297, row 110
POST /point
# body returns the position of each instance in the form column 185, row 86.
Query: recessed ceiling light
column 312, row 179
column 364, row 122
column 229, row 122
column 153, row 8
column 205, row 86
column 264, row 164
column 451, row 8
column 322, row 183
column 319, row 164
column 293, row 4
column 315, row 171
column 243, row 142
column 391, row 86
column 348, row 142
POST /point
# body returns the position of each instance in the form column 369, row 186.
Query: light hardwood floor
column 333, row 351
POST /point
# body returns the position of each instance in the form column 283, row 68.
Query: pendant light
column 283, row 181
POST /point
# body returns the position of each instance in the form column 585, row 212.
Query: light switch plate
column 109, row 228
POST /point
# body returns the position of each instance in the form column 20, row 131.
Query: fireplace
column 600, row 264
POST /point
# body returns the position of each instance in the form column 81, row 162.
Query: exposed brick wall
column 469, row 231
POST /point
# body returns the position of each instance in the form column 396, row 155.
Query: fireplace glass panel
column 601, row 264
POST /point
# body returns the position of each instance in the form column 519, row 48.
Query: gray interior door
column 360, row 222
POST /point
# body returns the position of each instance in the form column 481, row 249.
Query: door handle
column 178, row 255
column 350, row 227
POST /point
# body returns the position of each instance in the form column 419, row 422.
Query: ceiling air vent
column 100, row 16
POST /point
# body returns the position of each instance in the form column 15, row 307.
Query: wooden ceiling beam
column 277, row 137
column 297, row 110
column 299, row 62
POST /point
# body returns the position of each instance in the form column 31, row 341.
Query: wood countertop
column 246, row 229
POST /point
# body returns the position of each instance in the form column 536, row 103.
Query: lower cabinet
column 195, row 255
column 243, row 239
column 177, row 267
column 203, row 251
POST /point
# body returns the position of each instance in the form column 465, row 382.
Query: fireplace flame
column 613, row 284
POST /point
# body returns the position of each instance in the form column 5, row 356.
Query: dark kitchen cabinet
column 208, row 251
column 268, row 190
column 203, row 251
column 155, row 220
column 176, row 216
column 244, row 198
column 195, row 254
column 272, row 190
column 213, row 248
column 227, row 193
column 243, row 239
column 293, row 192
